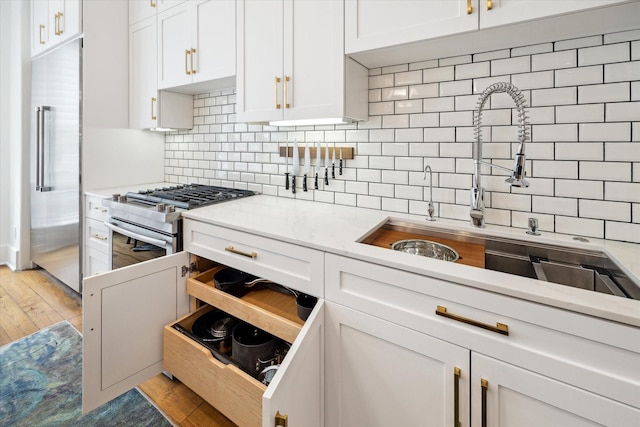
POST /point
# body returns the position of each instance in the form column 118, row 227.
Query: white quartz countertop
column 337, row 229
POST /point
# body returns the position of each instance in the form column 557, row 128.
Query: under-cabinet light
column 309, row 122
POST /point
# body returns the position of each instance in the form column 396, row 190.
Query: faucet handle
column 533, row 227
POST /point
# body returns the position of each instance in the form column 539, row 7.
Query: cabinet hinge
column 186, row 270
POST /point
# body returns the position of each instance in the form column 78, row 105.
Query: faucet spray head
column 517, row 178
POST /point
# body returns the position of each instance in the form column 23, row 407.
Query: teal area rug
column 41, row 385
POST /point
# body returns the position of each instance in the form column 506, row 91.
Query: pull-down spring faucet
column 517, row 178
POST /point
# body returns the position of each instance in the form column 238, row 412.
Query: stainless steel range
column 148, row 224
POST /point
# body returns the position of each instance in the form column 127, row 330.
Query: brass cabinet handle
column 456, row 397
column 286, row 104
column 153, row 101
column 469, row 7
column 152, row 3
column 500, row 328
column 99, row 237
column 55, row 24
column 275, row 92
column 485, row 385
column 187, row 52
column 41, row 29
column 58, row 28
column 489, row 4
column 235, row 251
column 281, row 420
column 193, row 71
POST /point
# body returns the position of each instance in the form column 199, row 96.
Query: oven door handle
column 113, row 227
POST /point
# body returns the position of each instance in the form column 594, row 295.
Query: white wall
column 583, row 161
column 14, row 96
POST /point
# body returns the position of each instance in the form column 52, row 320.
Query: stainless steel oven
column 148, row 224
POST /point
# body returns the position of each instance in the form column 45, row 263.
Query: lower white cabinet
column 128, row 317
column 96, row 237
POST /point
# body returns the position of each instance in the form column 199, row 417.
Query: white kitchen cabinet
column 373, row 24
column 96, row 235
column 196, row 43
column 145, row 299
column 291, row 64
column 139, row 10
column 148, row 107
column 382, row 374
column 517, row 397
column 558, row 353
column 53, row 22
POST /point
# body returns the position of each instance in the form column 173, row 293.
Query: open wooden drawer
column 296, row 390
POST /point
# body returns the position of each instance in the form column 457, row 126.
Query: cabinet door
column 174, row 46
column 509, row 11
column 143, row 75
column 124, row 312
column 141, row 9
column 65, row 20
column 39, row 26
column 259, row 61
column 297, row 390
column 214, row 32
column 313, row 59
column 381, row 374
column 372, row 24
column 518, row 397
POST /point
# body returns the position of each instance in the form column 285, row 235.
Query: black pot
column 253, row 348
column 232, row 281
column 215, row 329
column 305, row 305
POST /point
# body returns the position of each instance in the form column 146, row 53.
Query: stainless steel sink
column 585, row 269
column 426, row 248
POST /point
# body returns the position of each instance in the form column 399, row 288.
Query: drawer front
column 95, row 262
column 585, row 351
column 97, row 235
column 294, row 266
column 94, row 209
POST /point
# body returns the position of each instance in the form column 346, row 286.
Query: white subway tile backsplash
column 603, row 54
column 623, row 231
column 603, row 93
column 580, row 113
column 583, row 160
column 520, row 64
column 625, row 71
column 604, row 132
column 623, row 112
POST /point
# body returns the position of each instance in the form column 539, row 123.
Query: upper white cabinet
column 196, row 42
column 148, row 107
column 291, row 63
column 139, row 10
column 53, row 22
column 373, row 24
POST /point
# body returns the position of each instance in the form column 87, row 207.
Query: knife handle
column 340, row 168
column 304, row 183
column 316, row 182
column 293, row 184
column 286, row 180
column 326, row 176
column 333, row 171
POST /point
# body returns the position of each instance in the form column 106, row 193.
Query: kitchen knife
column 333, row 163
column 326, row 163
column 340, row 168
column 296, row 165
column 307, row 165
column 318, row 161
column 286, row 168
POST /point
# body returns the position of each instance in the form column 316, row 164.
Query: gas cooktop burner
column 188, row 196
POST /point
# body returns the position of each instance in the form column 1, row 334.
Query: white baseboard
column 9, row 256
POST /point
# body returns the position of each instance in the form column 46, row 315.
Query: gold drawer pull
column 500, row 328
column 275, row 92
column 485, row 385
column 456, row 397
column 235, row 251
column 99, row 237
column 281, row 419
column 489, row 5
column 469, row 7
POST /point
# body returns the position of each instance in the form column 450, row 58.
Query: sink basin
column 426, row 248
column 586, row 269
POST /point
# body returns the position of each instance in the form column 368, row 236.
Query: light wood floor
column 32, row 300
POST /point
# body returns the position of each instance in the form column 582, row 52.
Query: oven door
column 130, row 243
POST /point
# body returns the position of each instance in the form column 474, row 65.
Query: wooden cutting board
column 470, row 253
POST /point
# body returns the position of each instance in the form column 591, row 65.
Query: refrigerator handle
column 40, row 110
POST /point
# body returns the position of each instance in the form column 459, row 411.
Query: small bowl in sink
column 426, row 248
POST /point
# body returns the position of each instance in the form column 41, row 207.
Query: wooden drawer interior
column 264, row 308
column 225, row 386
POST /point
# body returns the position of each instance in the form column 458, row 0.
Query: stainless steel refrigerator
column 56, row 81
